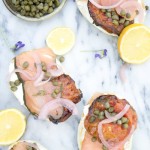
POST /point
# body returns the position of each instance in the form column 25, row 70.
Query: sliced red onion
column 54, row 104
column 109, row 120
column 131, row 7
column 100, row 6
column 54, row 72
column 25, row 73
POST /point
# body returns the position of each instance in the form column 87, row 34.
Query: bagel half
column 82, row 130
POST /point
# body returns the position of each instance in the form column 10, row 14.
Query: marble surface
column 90, row 74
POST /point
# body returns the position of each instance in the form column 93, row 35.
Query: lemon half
column 61, row 40
column 134, row 44
column 12, row 126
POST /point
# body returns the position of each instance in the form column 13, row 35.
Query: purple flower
column 18, row 45
column 101, row 54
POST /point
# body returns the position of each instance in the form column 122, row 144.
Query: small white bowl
column 56, row 10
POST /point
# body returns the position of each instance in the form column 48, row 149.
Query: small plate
column 10, row 8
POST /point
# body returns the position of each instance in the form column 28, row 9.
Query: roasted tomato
column 117, row 130
column 101, row 19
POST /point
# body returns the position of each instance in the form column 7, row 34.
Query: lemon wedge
column 12, row 126
column 61, row 40
column 134, row 44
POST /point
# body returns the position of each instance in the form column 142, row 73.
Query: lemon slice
column 12, row 126
column 61, row 40
column 134, row 44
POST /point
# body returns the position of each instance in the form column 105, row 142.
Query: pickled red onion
column 131, row 7
column 99, row 4
column 39, row 81
column 25, row 73
column 51, row 105
column 109, row 120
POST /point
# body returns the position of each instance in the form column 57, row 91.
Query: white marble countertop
column 90, row 74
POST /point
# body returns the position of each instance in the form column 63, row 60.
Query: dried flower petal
column 18, row 45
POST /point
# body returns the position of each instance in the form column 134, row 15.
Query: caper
column 50, row 3
column 103, row 10
column 17, row 82
column 45, row 8
column 92, row 119
column 115, row 17
column 55, row 83
column 137, row 12
column 109, row 10
column 27, row 8
column 102, row 113
column 30, row 2
column 57, row 91
column 122, row 21
column 57, row 3
column 14, row 2
column 50, row 10
column 29, row 148
column 25, row 65
column 96, row 112
column 47, row 74
column 122, row 13
column 128, row 15
column 61, row 59
column 108, row 14
column 126, row 23
column 124, row 119
column 147, row 7
column 53, row 95
column 41, row 93
column 37, row 16
column 44, row 68
column 115, row 22
column 33, row 8
column 11, row 83
column 104, row 148
column 40, row 6
column 113, row 13
column 125, row 126
column 14, row 88
column 94, row 139
column 111, row 109
column 107, row 105
column 119, row 122
column 101, row 117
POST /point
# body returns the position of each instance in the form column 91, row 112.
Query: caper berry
column 96, row 112
column 55, row 83
column 47, row 74
column 124, row 120
column 94, row 139
column 25, row 65
column 115, row 17
column 57, row 91
column 108, row 14
column 119, row 122
column 61, row 59
column 128, row 15
column 122, row 13
column 126, row 23
column 101, row 117
column 111, row 109
column 92, row 119
column 107, row 105
column 11, row 83
column 14, row 88
column 122, row 21
column 17, row 82
column 115, row 22
column 125, row 126
column 147, row 7
column 53, row 95
column 102, row 113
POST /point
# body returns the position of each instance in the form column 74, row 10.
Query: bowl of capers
column 34, row 10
